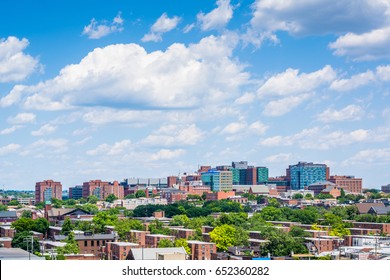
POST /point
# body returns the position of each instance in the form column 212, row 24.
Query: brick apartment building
column 46, row 190
column 201, row 250
column 196, row 189
column 90, row 243
column 102, row 189
column 182, row 232
column 348, row 183
column 151, row 240
column 137, row 236
column 118, row 250
column 7, row 231
column 219, row 195
column 173, row 195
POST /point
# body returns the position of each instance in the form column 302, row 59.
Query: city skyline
column 99, row 90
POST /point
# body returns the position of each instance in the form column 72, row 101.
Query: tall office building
column 218, row 180
column 262, row 175
column 46, row 190
column 304, row 174
column 76, row 192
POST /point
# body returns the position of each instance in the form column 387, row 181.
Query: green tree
column 165, row 243
column 339, row 230
column 22, row 240
column 157, row 227
column 111, row 198
column 3, row 207
column 180, row 220
column 13, row 202
column 41, row 225
column 183, row 243
column 124, row 226
column 308, row 196
column 223, row 236
column 26, row 214
column 140, row 193
column 297, row 196
column 324, row 196
column 39, row 205
column 103, row 219
column 67, row 227
column 282, row 244
column 56, row 203
column 130, row 196
column 273, row 202
column 93, row 199
column 23, row 224
column 71, row 246
column 271, row 213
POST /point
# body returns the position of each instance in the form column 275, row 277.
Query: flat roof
column 17, row 254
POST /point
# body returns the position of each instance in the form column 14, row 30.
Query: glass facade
column 48, row 194
column 304, row 174
column 262, row 175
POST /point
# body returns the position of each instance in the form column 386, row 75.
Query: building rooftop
column 17, row 254
column 8, row 214
column 87, row 237
column 152, row 253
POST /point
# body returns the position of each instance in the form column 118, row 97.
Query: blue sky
column 116, row 89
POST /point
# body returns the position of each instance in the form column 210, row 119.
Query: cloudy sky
column 116, row 89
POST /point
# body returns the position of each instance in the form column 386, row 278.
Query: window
column 92, row 243
column 85, row 243
column 98, row 243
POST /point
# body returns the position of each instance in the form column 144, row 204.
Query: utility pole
column 27, row 240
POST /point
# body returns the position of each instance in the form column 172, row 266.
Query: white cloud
column 319, row 17
column 258, row 128
column 188, row 28
column 354, row 82
column 174, row 135
column 287, row 90
column 380, row 75
column 22, row 118
column 44, row 130
column 285, row 105
column 118, row 148
column 10, row 130
column 162, row 25
column 15, row 65
column 246, row 98
column 369, row 156
column 97, row 30
column 180, row 77
column 348, row 113
column 43, row 147
column 321, row 138
column 371, row 45
column 234, row 128
column 8, row 149
column 291, row 82
column 166, row 154
column 279, row 158
column 217, row 18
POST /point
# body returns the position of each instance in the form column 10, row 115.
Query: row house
column 118, row 250
column 152, row 240
column 137, row 236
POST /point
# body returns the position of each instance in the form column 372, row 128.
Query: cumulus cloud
column 321, row 138
column 8, row 149
column 287, row 90
column 15, row 65
column 279, row 158
column 372, row 45
column 246, row 98
column 44, row 130
column 97, row 30
column 22, row 118
column 369, row 156
column 291, row 82
column 174, row 135
column 237, row 130
column 118, row 148
column 217, row 18
column 10, row 130
column 180, row 77
column 380, row 75
column 162, row 25
column 348, row 113
column 308, row 17
column 166, row 154
column 46, row 146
